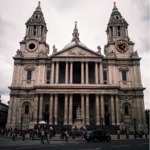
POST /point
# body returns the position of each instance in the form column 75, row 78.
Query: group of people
column 43, row 133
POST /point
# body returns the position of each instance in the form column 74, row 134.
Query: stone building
column 3, row 114
column 108, row 88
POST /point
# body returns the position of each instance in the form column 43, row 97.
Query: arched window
column 126, row 110
column 26, row 109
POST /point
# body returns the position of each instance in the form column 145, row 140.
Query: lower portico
column 96, row 109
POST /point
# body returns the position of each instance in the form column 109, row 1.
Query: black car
column 97, row 135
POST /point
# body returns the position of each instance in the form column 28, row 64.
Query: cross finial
column 75, row 34
column 39, row 3
column 75, row 24
column 114, row 4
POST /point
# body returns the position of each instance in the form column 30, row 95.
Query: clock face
column 121, row 46
column 31, row 45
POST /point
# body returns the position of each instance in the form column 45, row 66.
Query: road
column 138, row 144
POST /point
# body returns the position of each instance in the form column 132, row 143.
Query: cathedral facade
column 107, row 88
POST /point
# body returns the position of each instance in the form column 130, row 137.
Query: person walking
column 42, row 136
column 66, row 135
column 13, row 135
column 23, row 134
column 46, row 135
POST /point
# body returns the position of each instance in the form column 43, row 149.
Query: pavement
column 7, row 141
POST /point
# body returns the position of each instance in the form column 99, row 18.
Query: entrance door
column 107, row 122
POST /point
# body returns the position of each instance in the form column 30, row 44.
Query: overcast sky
column 92, row 17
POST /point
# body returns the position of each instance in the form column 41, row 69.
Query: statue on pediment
column 135, row 54
column 99, row 49
column 18, row 53
column 54, row 49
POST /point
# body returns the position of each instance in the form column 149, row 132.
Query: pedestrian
column 13, row 135
column 23, row 135
column 42, row 136
column 66, row 135
column 46, row 135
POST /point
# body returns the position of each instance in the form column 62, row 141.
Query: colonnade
column 85, row 112
column 69, row 72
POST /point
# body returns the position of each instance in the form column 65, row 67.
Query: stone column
column 52, row 73
column 35, row 106
column 102, row 108
column 138, row 113
column 112, row 110
column 143, row 111
column 101, row 73
column 56, row 108
column 66, row 74
column 139, row 75
column 109, row 74
column 117, row 111
column 82, row 72
column 97, row 110
column 87, row 109
column 43, row 67
column 87, row 73
column 114, row 31
column 14, row 80
column 51, row 110
column 66, row 110
column 96, row 72
column 19, row 76
column 57, row 72
column 71, row 72
column 41, row 108
column 82, row 108
column 70, row 109
column 14, row 112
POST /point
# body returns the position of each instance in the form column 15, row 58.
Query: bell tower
column 34, row 42
column 117, row 35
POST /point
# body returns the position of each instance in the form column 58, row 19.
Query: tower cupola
column 36, row 26
column 117, row 27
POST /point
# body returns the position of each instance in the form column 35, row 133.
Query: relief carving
column 77, row 52
column 27, row 97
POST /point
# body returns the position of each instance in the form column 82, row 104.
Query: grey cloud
column 143, row 8
column 64, row 4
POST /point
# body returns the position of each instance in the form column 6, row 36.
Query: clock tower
column 34, row 43
column 117, row 35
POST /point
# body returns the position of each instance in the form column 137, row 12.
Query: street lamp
column 134, row 120
column 102, row 123
column 21, row 122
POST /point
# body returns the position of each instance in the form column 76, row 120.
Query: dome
column 73, row 44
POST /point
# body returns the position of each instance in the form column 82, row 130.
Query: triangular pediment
column 77, row 52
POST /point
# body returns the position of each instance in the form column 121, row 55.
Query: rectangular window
column 48, row 76
column 29, row 75
column 118, row 30
column 124, row 76
column 105, row 75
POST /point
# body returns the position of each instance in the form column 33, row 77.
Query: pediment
column 76, row 52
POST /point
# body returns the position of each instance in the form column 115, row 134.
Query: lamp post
column 134, row 120
column 102, row 123
column 21, row 122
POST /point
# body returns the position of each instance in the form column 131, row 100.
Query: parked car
column 97, row 135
